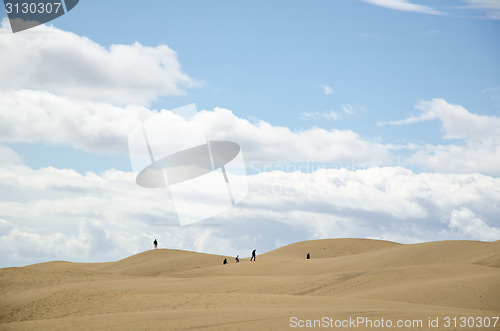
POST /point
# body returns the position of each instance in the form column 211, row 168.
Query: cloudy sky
column 367, row 119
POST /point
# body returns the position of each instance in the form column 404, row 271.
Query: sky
column 356, row 119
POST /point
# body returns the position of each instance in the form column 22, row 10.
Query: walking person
column 155, row 244
column 253, row 255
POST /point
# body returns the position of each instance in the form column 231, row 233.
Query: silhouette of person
column 155, row 244
column 237, row 259
column 308, row 256
column 253, row 255
column 225, row 261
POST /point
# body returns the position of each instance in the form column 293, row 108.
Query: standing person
column 237, row 258
column 155, row 244
column 253, row 255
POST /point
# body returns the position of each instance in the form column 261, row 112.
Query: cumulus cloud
column 40, row 116
column 75, row 66
column 49, row 213
column 61, row 214
column 404, row 5
column 470, row 157
column 466, row 224
column 458, row 122
column 478, row 139
column 265, row 143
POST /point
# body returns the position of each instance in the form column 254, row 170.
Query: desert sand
column 440, row 284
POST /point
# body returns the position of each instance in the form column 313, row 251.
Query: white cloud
column 404, row 5
column 329, row 116
column 468, row 225
column 374, row 190
column 478, row 146
column 458, row 122
column 494, row 95
column 50, row 214
column 262, row 142
column 327, row 90
column 40, row 116
column 410, row 120
column 491, row 90
column 347, row 109
column 472, row 156
column 75, row 66
column 8, row 156
column 492, row 7
column 351, row 109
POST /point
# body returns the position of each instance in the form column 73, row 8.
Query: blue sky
column 398, row 101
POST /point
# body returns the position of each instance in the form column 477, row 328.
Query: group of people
column 237, row 258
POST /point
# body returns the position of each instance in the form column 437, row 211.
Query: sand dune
column 345, row 280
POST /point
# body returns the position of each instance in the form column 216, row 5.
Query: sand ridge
column 167, row 289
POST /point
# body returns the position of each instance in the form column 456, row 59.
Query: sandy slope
column 175, row 290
